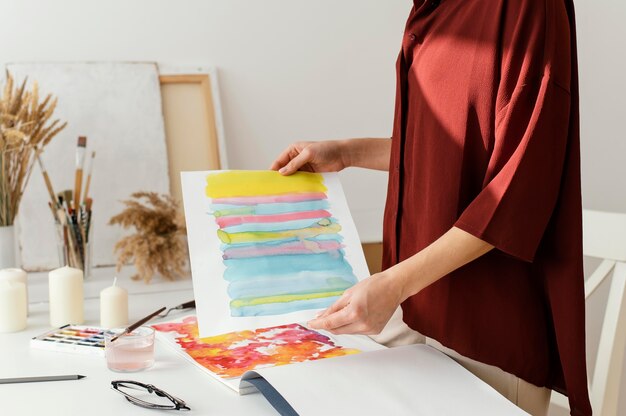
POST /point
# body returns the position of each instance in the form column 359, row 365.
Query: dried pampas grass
column 26, row 127
column 159, row 245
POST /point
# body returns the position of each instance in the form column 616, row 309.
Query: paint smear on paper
column 231, row 355
column 281, row 246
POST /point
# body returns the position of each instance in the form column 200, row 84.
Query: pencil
column 39, row 379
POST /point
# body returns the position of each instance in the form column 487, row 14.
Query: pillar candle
column 113, row 306
column 16, row 275
column 66, row 296
column 12, row 306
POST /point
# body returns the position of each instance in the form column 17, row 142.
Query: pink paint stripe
column 269, row 199
column 289, row 248
column 231, row 220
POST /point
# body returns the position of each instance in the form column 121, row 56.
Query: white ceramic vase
column 7, row 247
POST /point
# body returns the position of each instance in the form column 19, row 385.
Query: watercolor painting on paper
column 231, row 355
column 267, row 249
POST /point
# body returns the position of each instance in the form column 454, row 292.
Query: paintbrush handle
column 79, row 242
column 78, row 184
column 138, row 324
column 46, row 179
column 190, row 304
column 89, row 170
column 87, row 184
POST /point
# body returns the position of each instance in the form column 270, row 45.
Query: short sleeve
column 522, row 182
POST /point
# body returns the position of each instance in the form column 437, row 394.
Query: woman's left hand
column 365, row 308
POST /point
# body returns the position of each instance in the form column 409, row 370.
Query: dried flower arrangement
column 158, row 245
column 25, row 129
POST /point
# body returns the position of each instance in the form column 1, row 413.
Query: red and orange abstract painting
column 231, row 355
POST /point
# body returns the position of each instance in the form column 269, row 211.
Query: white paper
column 207, row 264
column 413, row 380
column 118, row 107
column 359, row 342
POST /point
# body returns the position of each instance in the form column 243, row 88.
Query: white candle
column 113, row 306
column 12, row 306
column 66, row 296
column 16, row 275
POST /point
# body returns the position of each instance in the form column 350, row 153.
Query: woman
column 482, row 226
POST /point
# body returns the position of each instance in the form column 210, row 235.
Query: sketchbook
column 305, row 372
column 415, row 380
column 228, row 357
column 268, row 249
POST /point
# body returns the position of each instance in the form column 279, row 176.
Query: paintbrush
column 88, row 205
column 89, row 170
column 71, row 247
column 73, row 222
column 138, row 324
column 46, row 179
column 80, row 161
column 67, row 197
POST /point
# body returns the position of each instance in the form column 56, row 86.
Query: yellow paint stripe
column 239, row 303
column 261, row 182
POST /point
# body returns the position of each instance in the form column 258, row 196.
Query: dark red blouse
column 486, row 139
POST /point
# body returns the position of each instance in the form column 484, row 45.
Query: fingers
column 353, row 328
column 337, row 319
column 334, row 316
column 339, row 304
column 284, row 158
column 296, row 163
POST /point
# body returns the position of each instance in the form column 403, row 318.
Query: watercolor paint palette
column 229, row 356
column 73, row 339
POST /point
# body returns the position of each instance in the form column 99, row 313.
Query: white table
column 93, row 395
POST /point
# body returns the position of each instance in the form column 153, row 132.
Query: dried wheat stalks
column 158, row 246
column 25, row 129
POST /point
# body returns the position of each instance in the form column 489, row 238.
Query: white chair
column 605, row 238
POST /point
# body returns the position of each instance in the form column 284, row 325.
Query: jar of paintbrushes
column 72, row 213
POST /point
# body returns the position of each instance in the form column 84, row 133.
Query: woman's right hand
column 325, row 156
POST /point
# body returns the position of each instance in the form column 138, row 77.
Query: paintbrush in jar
column 80, row 161
column 89, row 171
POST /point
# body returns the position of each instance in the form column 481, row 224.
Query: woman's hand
column 326, row 156
column 365, row 308
column 334, row 155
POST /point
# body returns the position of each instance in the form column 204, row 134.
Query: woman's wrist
column 367, row 153
column 397, row 283
column 346, row 152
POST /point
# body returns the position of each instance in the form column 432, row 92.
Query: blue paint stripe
column 282, row 308
column 276, row 226
column 270, row 209
column 248, row 268
column 345, row 274
column 292, row 285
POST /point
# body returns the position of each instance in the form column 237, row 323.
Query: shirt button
column 397, row 168
column 412, row 37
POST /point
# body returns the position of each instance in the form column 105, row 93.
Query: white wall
column 289, row 70
column 602, row 65
column 294, row 70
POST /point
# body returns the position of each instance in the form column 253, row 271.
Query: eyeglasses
column 134, row 391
